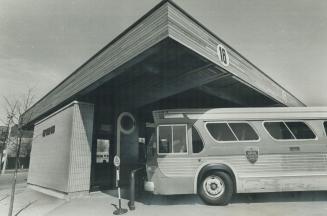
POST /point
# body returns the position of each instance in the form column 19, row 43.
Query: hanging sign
column 223, row 55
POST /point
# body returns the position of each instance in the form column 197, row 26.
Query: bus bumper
column 149, row 186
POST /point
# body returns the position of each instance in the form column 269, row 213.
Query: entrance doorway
column 102, row 160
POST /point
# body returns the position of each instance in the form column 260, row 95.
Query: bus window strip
column 232, row 132
column 294, row 137
column 233, row 141
column 172, row 153
column 292, row 140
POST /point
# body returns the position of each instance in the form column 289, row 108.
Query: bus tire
column 216, row 188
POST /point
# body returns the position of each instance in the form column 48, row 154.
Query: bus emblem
column 252, row 155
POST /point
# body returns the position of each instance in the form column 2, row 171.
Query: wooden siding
column 165, row 20
column 141, row 37
column 193, row 35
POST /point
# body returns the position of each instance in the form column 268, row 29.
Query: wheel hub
column 214, row 186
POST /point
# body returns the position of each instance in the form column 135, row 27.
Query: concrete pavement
column 297, row 204
column 31, row 203
column 27, row 201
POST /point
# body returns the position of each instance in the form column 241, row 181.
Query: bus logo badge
column 252, row 155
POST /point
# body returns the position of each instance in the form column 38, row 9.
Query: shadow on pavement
column 151, row 199
column 307, row 196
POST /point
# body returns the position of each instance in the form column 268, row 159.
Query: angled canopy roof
column 166, row 20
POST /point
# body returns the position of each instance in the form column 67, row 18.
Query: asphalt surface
column 290, row 204
column 32, row 203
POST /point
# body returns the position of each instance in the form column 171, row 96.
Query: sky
column 42, row 42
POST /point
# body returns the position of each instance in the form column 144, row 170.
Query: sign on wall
column 102, row 151
column 223, row 55
column 117, row 161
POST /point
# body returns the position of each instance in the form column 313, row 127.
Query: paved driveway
column 32, row 203
column 309, row 203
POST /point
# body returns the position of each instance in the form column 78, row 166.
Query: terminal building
column 165, row 60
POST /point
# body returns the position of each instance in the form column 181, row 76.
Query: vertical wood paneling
column 141, row 37
column 166, row 21
column 192, row 35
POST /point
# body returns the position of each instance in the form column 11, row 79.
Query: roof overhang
column 166, row 20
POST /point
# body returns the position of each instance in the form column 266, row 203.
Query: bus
column 216, row 153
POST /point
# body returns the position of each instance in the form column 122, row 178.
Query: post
column 119, row 210
column 131, row 203
column 121, row 129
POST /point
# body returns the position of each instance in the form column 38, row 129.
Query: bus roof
column 262, row 113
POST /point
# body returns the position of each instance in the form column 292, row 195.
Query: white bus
column 218, row 152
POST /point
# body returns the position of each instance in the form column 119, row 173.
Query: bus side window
column 179, row 139
column 172, row 139
column 221, row 132
column 165, row 139
column 289, row 130
column 278, row 130
column 197, row 143
column 325, row 126
column 243, row 131
column 300, row 130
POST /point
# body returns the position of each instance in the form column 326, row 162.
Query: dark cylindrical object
column 132, row 182
column 131, row 203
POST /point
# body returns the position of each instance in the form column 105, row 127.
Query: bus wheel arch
column 219, row 175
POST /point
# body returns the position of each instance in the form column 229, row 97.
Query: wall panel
column 62, row 161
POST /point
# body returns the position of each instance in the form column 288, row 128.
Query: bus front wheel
column 216, row 188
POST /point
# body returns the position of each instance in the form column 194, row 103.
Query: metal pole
column 119, row 210
column 132, row 188
column 131, row 203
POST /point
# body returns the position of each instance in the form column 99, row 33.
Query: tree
column 15, row 110
column 3, row 138
column 10, row 111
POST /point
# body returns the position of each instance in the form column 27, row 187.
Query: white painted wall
column 62, row 161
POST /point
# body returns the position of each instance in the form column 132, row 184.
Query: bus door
column 174, row 164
